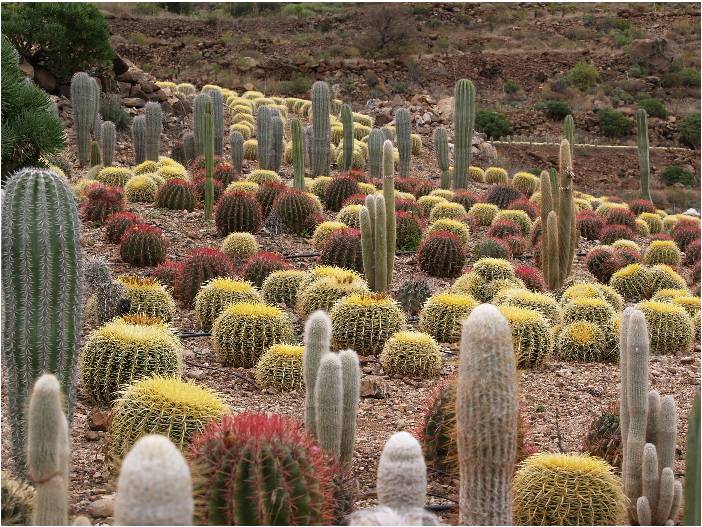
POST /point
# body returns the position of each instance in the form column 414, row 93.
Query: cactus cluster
column 323, row 230
column 17, row 501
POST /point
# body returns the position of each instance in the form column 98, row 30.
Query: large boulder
column 654, row 53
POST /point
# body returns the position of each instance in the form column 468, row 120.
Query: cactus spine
column 41, row 287
column 442, row 155
column 236, row 146
column 139, row 139
column 189, row 146
column 206, row 128
column 153, row 127
column 569, row 132
column 154, row 486
column 317, row 339
column 85, row 99
column 463, row 122
column 347, row 122
column 376, row 139
column 107, row 137
column 321, row 129
column 642, row 142
column 692, row 467
column 404, row 141
column 264, row 136
column 329, row 399
column 48, row 452
column 486, row 418
column 298, row 154
column 218, row 118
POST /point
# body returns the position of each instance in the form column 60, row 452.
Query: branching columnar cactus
column 559, row 239
column 48, row 454
column 404, row 141
column 236, row 150
column 442, row 155
column 463, row 122
column 486, row 416
column 376, row 140
column 154, row 486
column 85, row 99
column 642, row 142
column 272, row 450
column 139, row 139
column 107, row 137
column 649, row 427
column 153, row 127
column 298, row 154
column 321, row 129
column 42, row 288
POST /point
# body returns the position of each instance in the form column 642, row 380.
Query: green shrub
column 555, row 110
column 690, row 130
column 583, row 75
column 237, row 9
column 63, row 37
column 29, row 128
column 297, row 85
column 681, row 77
column 613, row 123
column 511, row 87
column 111, row 110
column 181, row 8
column 493, row 124
column 674, row 174
column 654, row 107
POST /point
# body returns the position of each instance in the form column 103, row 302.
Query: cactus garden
column 272, row 298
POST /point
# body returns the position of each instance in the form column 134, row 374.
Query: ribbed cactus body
column 143, row 246
column 218, row 121
column 569, row 132
column 317, row 339
column 236, row 145
column 264, row 136
column 189, row 146
column 403, row 129
column 463, row 122
column 153, row 127
column 95, row 154
column 442, row 155
column 328, row 399
column 41, row 288
column 139, row 139
column 107, row 137
column 298, row 154
column 321, row 129
column 202, row 100
column 692, row 466
column 154, row 486
column 351, row 382
column 376, row 139
column 207, row 129
column 486, row 415
column 347, row 122
column 277, row 145
column 642, row 142
column 48, row 454
column 85, row 99
column 402, row 473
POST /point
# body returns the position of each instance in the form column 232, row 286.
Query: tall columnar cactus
column 110, row 295
column 558, row 244
column 403, row 129
column 317, row 339
column 374, row 243
column 218, row 118
column 642, row 142
column 236, row 147
column 277, row 145
column 94, row 154
column 692, row 467
column 85, row 99
column 41, row 288
column 442, row 155
column 329, row 399
column 154, row 486
column 390, row 218
column 347, row 122
column 463, row 122
column 107, row 137
column 152, row 114
column 486, row 418
column 205, row 127
column 402, row 473
column 264, row 136
column 321, row 129
column 298, row 154
column 202, row 100
column 139, row 139
column 351, row 382
column 48, row 453
column 376, row 139
column 569, row 132
column 189, row 146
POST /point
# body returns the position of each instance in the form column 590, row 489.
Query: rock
column 124, row 88
column 247, row 63
column 133, row 102
column 656, row 53
column 119, row 66
column 445, row 108
column 81, row 520
column 374, row 387
column 91, row 435
column 27, row 69
column 692, row 212
column 98, row 420
column 148, row 86
column 195, row 373
column 45, row 80
column 103, row 507
column 133, row 76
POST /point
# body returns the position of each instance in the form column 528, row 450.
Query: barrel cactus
column 143, row 246
column 441, row 254
column 237, row 211
column 531, row 336
column 281, row 287
column 217, row 294
column 177, row 194
column 147, row 296
column 200, row 266
column 280, row 368
column 443, row 314
column 118, row 223
column 411, row 354
column 321, row 294
column 669, row 326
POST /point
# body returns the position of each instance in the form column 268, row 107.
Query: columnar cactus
column 298, row 154
column 41, row 288
column 376, row 140
column 463, row 122
column 202, row 100
column 642, row 142
column 692, row 466
column 153, row 127
column 48, row 452
column 277, row 145
column 139, row 139
column 218, row 120
column 321, row 129
column 442, row 155
column 189, row 146
column 402, row 473
column 486, row 415
column 236, row 145
column 328, row 399
column 85, row 99
column 569, row 132
column 404, row 141
column 264, row 136
column 206, row 128
column 347, row 122
column 154, row 486
column 317, row 339
column 94, row 154
column 107, row 137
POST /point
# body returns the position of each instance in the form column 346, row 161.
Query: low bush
column 674, row 174
column 690, row 130
column 493, row 124
column 583, row 75
column 555, row 110
column 613, row 123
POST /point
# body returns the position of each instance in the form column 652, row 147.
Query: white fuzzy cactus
column 402, row 473
column 154, row 486
column 387, row 516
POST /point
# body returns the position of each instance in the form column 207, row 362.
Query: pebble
column 196, row 374
column 98, row 420
column 103, row 507
column 81, row 520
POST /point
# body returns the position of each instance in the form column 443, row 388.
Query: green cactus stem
column 376, row 139
column 218, row 120
column 442, row 155
column 642, row 142
column 321, row 129
column 152, row 115
column 298, row 154
column 108, row 139
column 692, row 467
column 569, row 131
column 329, row 399
column 463, row 122
column 390, row 219
column 94, row 154
column 236, row 146
column 205, row 125
column 404, row 141
column 317, row 339
column 139, row 139
column 85, row 99
column 347, row 121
